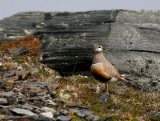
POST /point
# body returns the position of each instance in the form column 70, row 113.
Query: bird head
column 99, row 48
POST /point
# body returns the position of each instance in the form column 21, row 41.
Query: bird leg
column 106, row 85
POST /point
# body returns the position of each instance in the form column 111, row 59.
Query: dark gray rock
column 81, row 114
column 10, row 74
column 17, row 26
column 92, row 118
column 63, row 112
column 7, row 94
column 64, row 118
column 104, row 97
column 2, row 85
column 82, row 111
column 3, row 101
column 27, row 106
column 17, row 118
column 132, row 36
column 118, row 112
column 52, row 94
column 4, row 110
column 68, row 38
column 154, row 115
column 47, row 109
column 21, row 50
column 20, row 111
column 41, row 85
column 46, row 117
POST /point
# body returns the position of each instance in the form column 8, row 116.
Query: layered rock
column 68, row 37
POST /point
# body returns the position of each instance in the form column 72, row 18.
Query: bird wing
column 110, row 69
column 99, row 70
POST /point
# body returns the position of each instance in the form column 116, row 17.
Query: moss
column 28, row 32
column 43, row 73
column 15, row 37
column 144, row 80
column 75, row 118
column 65, row 25
column 1, row 29
column 154, row 118
column 2, row 116
column 39, row 26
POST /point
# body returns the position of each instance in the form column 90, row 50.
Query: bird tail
column 123, row 79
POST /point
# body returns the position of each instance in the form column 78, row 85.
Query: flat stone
column 92, row 118
column 53, row 86
column 4, row 111
column 95, row 118
column 50, row 102
column 3, row 101
column 42, row 85
column 104, row 97
column 10, row 74
column 2, row 84
column 154, row 113
column 52, row 94
column 19, row 118
column 64, row 118
column 81, row 114
column 21, row 50
column 63, row 112
column 47, row 116
column 82, row 111
column 65, row 96
column 47, row 109
column 27, row 106
column 20, row 111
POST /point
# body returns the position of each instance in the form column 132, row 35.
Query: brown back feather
column 108, row 67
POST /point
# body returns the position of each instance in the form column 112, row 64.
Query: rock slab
column 68, row 38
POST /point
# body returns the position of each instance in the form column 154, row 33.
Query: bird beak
column 106, row 49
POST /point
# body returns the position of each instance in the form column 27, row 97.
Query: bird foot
column 104, row 97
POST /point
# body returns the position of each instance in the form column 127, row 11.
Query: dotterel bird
column 102, row 69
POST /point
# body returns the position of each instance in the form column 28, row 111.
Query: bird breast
column 97, row 69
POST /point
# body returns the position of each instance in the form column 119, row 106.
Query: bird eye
column 99, row 46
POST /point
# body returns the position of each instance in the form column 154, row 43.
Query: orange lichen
column 31, row 43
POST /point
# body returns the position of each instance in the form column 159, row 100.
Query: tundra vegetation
column 125, row 103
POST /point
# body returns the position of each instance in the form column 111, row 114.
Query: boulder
column 68, row 38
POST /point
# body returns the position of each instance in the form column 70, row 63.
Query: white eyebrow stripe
column 96, row 64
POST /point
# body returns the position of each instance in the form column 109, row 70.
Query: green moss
column 39, row 26
column 44, row 73
column 2, row 116
column 75, row 118
column 65, row 25
column 154, row 118
column 28, row 32
column 15, row 37
column 144, row 80
column 1, row 29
